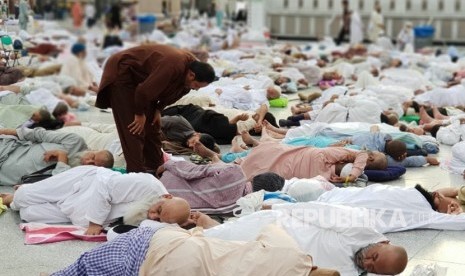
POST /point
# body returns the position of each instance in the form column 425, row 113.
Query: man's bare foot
column 313, row 96
column 302, row 96
column 203, row 151
column 438, row 115
column 248, row 139
column 236, row 146
column 7, row 199
column 272, row 128
column 295, row 110
column 240, row 117
column 424, row 117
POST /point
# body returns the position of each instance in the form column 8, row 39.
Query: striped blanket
column 38, row 233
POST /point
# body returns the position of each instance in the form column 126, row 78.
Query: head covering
column 278, row 88
column 269, row 182
column 346, row 170
column 77, row 48
column 462, row 195
column 305, row 190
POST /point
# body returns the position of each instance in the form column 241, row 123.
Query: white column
column 256, row 17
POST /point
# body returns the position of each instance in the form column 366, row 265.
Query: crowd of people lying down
column 159, row 181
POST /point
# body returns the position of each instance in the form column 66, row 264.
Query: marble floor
column 424, row 247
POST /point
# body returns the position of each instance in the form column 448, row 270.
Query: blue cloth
column 279, row 195
column 391, row 173
column 317, row 141
column 430, row 147
column 411, row 161
column 122, row 256
column 371, row 141
column 77, row 48
column 231, row 156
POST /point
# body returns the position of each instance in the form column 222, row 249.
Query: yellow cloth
column 3, row 208
column 175, row 251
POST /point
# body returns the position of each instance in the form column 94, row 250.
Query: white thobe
column 77, row 69
column 374, row 30
column 442, row 97
column 43, row 97
column 84, row 194
column 330, row 245
column 350, row 109
column 398, row 209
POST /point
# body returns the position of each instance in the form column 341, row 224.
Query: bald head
column 382, row 258
column 177, row 210
column 166, row 208
column 376, row 161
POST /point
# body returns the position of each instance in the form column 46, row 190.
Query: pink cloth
column 68, row 117
column 301, row 162
column 37, row 233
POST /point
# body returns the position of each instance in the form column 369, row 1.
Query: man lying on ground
column 24, row 151
column 94, row 197
column 168, row 250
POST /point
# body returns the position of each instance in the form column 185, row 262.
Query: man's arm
column 337, row 155
column 8, row 131
column 72, row 143
column 412, row 161
column 190, row 171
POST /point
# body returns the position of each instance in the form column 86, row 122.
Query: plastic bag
column 429, row 270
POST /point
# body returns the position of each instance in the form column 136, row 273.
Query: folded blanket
column 37, row 233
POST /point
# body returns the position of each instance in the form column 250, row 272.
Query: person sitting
column 163, row 250
column 75, row 66
column 100, row 196
column 24, row 151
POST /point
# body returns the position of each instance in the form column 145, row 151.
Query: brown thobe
column 141, row 80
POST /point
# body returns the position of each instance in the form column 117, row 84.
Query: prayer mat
column 38, row 233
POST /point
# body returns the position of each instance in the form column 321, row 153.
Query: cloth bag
column 38, row 175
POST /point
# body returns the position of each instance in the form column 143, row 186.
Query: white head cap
column 346, row 170
column 305, row 190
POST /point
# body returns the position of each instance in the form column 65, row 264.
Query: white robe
column 442, row 97
column 331, row 245
column 356, row 29
column 350, row 109
column 453, row 133
column 77, row 69
column 83, row 194
column 402, row 208
column 457, row 163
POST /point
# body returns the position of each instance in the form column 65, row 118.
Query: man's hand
column 137, row 126
column 337, row 179
column 94, row 229
column 454, row 208
column 56, row 156
column 156, row 118
column 8, row 131
column 160, row 171
column 202, row 220
column 432, row 161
